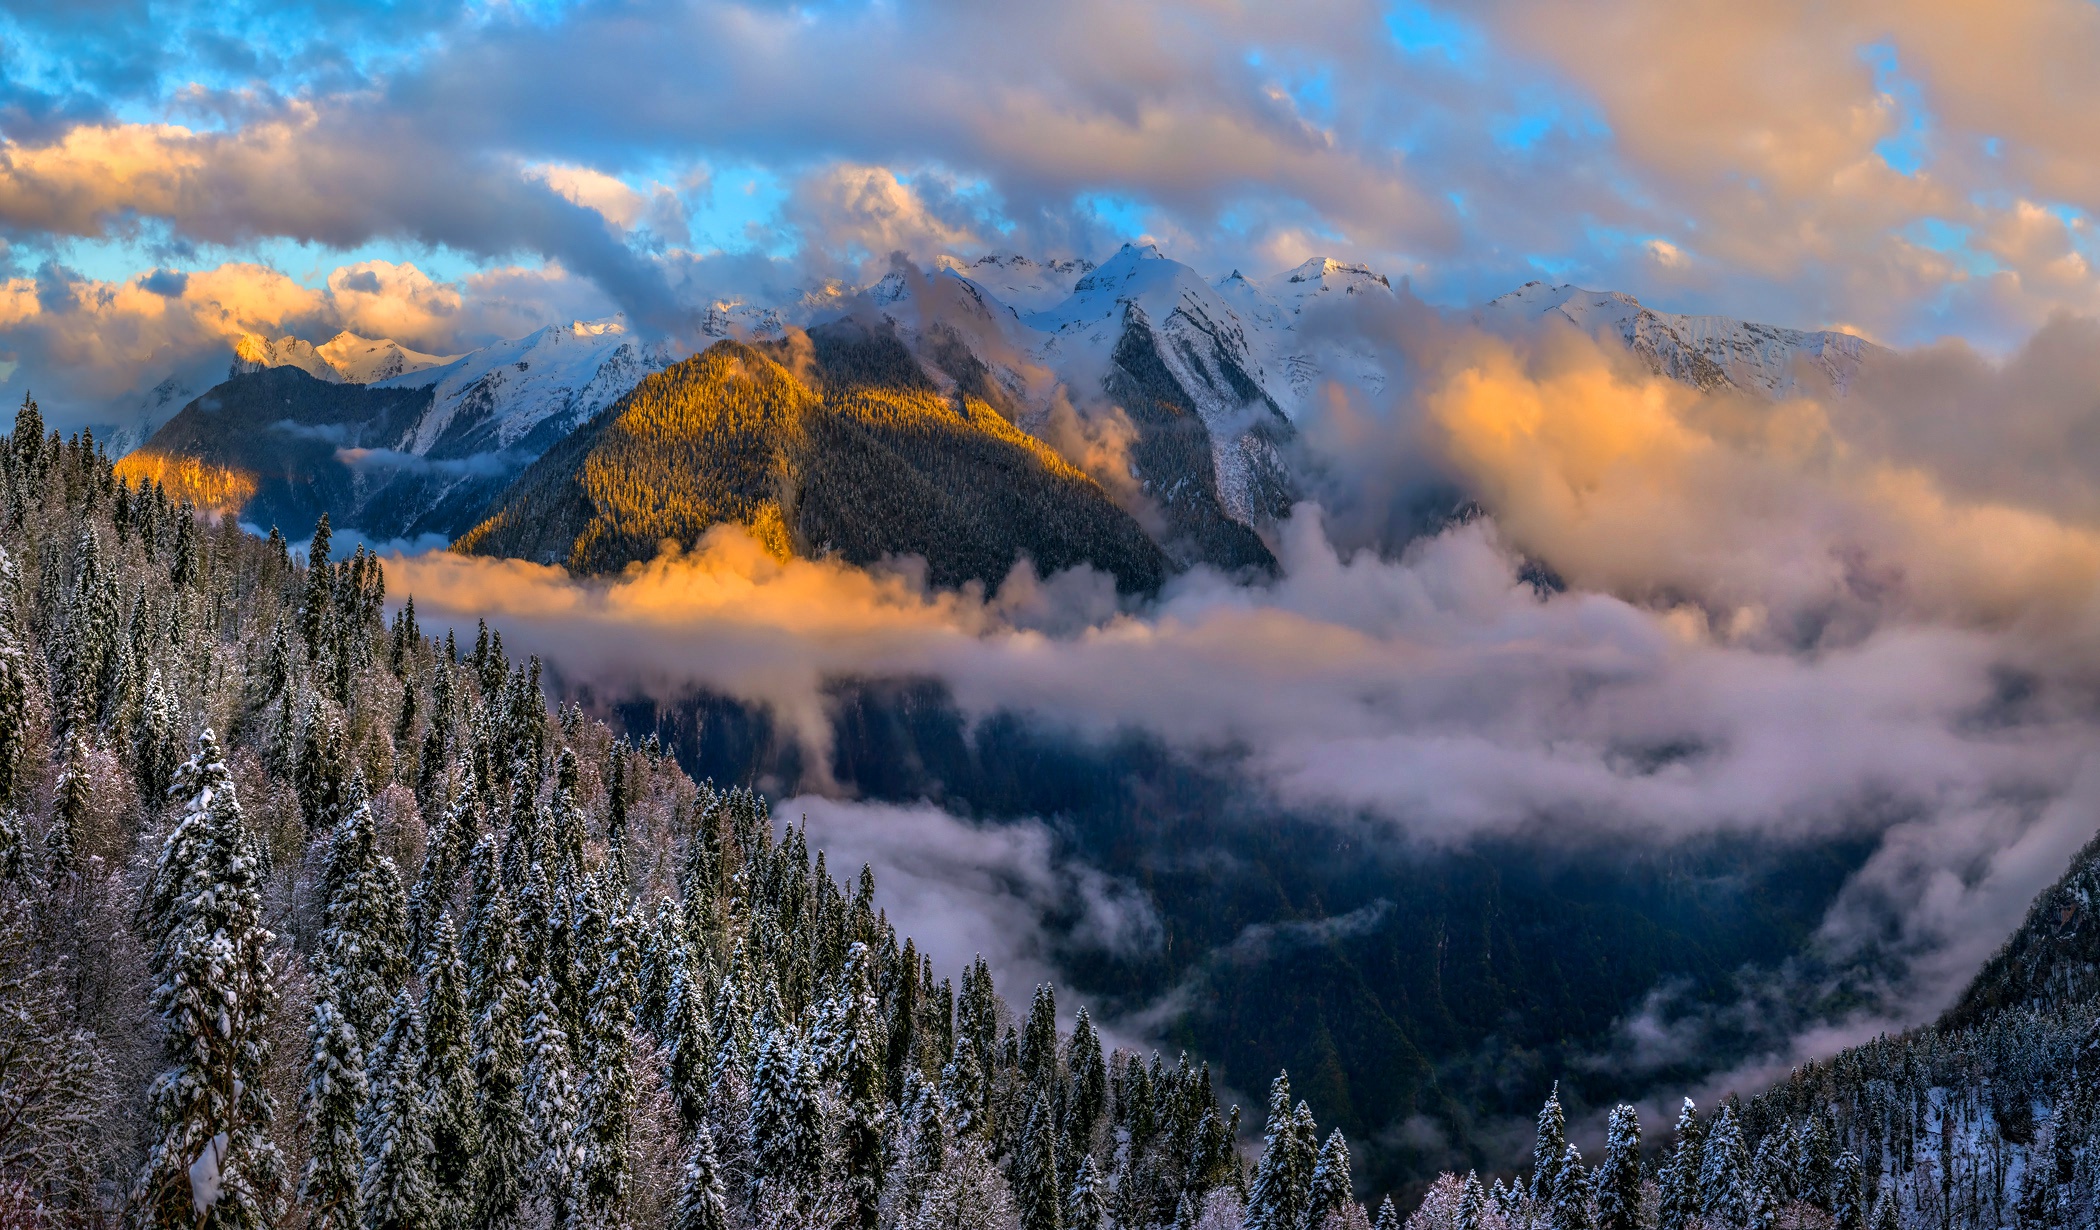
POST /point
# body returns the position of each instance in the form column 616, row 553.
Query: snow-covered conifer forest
column 310, row 919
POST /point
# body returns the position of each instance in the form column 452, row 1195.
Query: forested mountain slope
column 859, row 455
column 310, row 919
column 280, row 447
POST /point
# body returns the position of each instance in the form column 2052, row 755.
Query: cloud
column 1772, row 624
column 89, row 348
column 963, row 889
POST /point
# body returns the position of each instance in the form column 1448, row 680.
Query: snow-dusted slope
column 1704, row 351
column 1022, row 284
column 362, row 360
column 252, row 352
column 1203, row 346
column 1294, row 361
column 530, row 391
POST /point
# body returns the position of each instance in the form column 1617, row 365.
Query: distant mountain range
column 1212, row 375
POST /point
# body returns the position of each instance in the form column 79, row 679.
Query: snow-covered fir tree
column 212, row 1157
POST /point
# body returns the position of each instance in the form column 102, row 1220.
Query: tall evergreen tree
column 550, row 1098
column 1549, row 1149
column 1274, row 1201
column 1331, row 1188
column 363, row 942
column 1724, row 1170
column 1472, row 1205
column 1569, row 1207
column 786, row 1147
column 14, row 691
column 447, row 1079
column 69, row 810
column 1618, row 1193
column 701, row 1202
column 211, row 1158
column 319, row 598
column 863, row 1082
column 1088, row 1207
column 158, row 746
column 608, row 1097
column 1678, row 1178
column 397, row 1189
column 498, row 999
column 335, row 1098
column 1038, row 1195
column 1089, row 1097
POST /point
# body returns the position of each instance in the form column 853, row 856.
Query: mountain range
column 1210, row 380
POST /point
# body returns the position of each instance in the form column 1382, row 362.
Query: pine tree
column 1088, row 1207
column 14, row 692
column 335, row 1098
column 497, row 999
column 214, row 993
column 363, row 942
column 1618, row 1192
column 1274, row 1201
column 550, row 1099
column 1039, row 1040
column 1724, row 1178
column 159, row 748
column 445, row 854
column 689, row 1051
column 397, row 1188
column 701, row 1204
column 1549, row 1149
column 69, row 810
column 1472, row 1204
column 1331, row 1188
column 1848, row 1198
column 1089, row 1098
column 1304, row 1155
column 319, row 599
column 863, row 1083
column 320, row 775
column 608, row 1094
column 1569, row 1207
column 1679, row 1176
column 785, row 1144
column 1038, row 1195
column 448, row 1079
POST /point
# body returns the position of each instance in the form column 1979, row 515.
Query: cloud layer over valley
column 1817, row 619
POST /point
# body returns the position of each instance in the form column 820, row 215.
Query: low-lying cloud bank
column 1816, row 618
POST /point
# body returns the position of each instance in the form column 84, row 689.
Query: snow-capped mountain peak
column 345, row 358
column 522, row 391
column 362, row 360
column 252, row 352
column 1704, row 351
column 1324, row 273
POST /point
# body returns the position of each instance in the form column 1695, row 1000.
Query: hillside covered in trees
column 310, row 920
column 856, row 454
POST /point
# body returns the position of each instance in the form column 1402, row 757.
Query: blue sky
column 493, row 165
